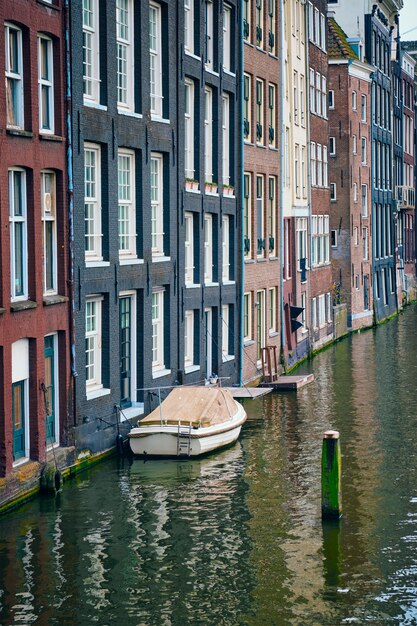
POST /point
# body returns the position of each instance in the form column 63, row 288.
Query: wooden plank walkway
column 288, row 383
column 248, row 392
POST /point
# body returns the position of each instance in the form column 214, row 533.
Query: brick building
column 321, row 291
column 350, row 178
column 261, row 218
column 34, row 319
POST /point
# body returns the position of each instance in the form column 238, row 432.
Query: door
column 125, row 324
column 366, row 292
column 49, row 390
column 260, row 322
column 18, row 417
column 208, row 318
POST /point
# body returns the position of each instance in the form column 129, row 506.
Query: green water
column 237, row 538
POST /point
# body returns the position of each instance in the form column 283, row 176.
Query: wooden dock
column 289, row 383
column 248, row 392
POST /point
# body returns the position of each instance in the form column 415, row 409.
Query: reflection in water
column 237, row 538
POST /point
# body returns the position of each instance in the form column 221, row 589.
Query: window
column 364, row 200
column 363, row 152
column 303, row 312
column 302, row 107
column 334, row 238
column 287, row 157
column 355, row 236
column 189, row 26
column 320, row 253
column 331, row 99
column 318, row 94
column 226, row 138
column 127, row 203
column 325, row 168
column 316, row 26
column 322, row 31
column 324, row 96
column 247, row 317
column 209, row 35
column 259, row 20
column 93, row 342
column 46, row 84
column 91, row 62
column 312, row 91
column 157, row 204
column 226, row 333
column 355, row 192
column 273, row 310
column 158, row 357
column 92, row 202
column 329, row 307
column 272, row 116
column 260, row 216
column 354, row 144
column 295, row 99
column 297, row 169
column 208, row 248
column 246, row 19
column 246, row 106
column 319, row 165
column 227, row 38
column 310, row 21
column 48, row 206
column 365, row 243
column 50, row 390
column 155, row 59
column 189, row 249
column 314, row 313
column 353, row 100
column 303, row 172
column 188, row 339
column 18, row 234
column 247, row 214
column 333, row 192
column 225, row 248
column 363, row 108
column 322, row 310
column 208, row 135
column 272, row 244
column 259, row 111
column 125, row 64
column 271, row 23
column 20, row 399
column 301, row 240
column 14, row 76
column 332, row 146
column 189, row 129
column 313, row 166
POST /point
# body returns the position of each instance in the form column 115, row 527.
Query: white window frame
column 319, row 165
column 272, row 116
column 226, row 138
column 354, row 101
column 226, row 356
column 260, row 111
column 126, row 203
column 301, row 229
column 318, row 95
column 363, row 150
column 329, row 307
column 189, row 129
column 354, row 144
column 364, row 200
column 91, row 52
column 93, row 253
column 332, row 146
column 189, row 248
column 325, row 168
column 21, row 374
column 188, row 339
column 273, row 311
column 227, row 38
column 157, row 204
column 125, row 54
column 331, row 99
column 333, row 192
column 322, row 310
column 208, row 248
column 209, row 47
column 158, row 330
column 14, row 79
column 355, row 192
column 155, row 60
column 334, row 238
column 260, row 210
column 313, row 164
column 365, row 243
column 14, row 221
column 133, row 342
column 93, row 341
column 189, row 26
column 46, row 84
column 324, row 96
column 226, row 248
column 208, row 134
column 247, row 211
column 312, row 91
column 48, row 208
column 247, row 106
column 247, row 315
column 272, row 215
column 363, row 108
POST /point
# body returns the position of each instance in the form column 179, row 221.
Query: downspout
column 309, row 192
column 242, row 169
column 281, row 167
column 68, row 110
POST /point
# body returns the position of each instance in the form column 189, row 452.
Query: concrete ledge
column 23, row 305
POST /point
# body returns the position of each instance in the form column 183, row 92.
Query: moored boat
column 190, row 422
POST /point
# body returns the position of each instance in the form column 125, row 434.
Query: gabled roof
column 338, row 45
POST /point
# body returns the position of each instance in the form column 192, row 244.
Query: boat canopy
column 200, row 406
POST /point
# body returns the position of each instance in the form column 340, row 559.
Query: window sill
column 131, row 261
column 160, row 373
column 195, row 191
column 19, row 132
column 20, row 462
column 159, row 118
column 50, row 137
column 192, row 285
column 49, row 300
column 192, row 55
column 160, row 259
column 229, row 282
column 98, row 393
column 209, row 70
column 273, row 333
column 94, row 105
column 133, row 114
column 211, row 284
column 228, row 357
column 229, row 73
column 131, row 412
column 189, row 369
column 249, row 261
column 49, row 5
column 93, row 263
column 248, row 342
column 23, row 305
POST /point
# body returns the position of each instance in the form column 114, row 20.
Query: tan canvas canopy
column 202, row 406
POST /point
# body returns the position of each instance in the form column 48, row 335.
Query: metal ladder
column 184, row 440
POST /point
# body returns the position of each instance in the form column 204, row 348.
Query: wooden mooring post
column 331, row 472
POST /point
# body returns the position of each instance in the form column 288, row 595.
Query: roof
column 338, row 45
column 200, row 406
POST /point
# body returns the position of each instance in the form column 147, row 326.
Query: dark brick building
column 155, row 125
column 34, row 314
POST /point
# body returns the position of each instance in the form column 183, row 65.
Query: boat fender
column 119, row 445
column 51, row 480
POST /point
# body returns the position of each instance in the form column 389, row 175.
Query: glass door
column 49, row 391
column 18, row 417
column 125, row 323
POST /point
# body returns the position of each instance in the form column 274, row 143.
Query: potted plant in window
column 210, row 186
column 228, row 190
column 191, row 184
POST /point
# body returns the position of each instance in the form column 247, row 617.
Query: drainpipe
column 309, row 192
column 281, row 167
column 68, row 108
column 242, row 169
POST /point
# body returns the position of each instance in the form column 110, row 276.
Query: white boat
column 190, row 422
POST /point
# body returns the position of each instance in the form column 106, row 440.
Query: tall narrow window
column 272, row 116
column 20, row 399
column 259, row 111
column 227, row 38
column 18, row 234
column 312, row 92
column 93, row 342
column 363, row 108
column 364, row 201
column 363, row 151
column 303, row 172
column 260, row 216
column 302, row 103
column 271, row 24
column 225, row 248
column 318, row 94
column 247, row 317
column 125, row 69
column 157, row 205
column 247, row 86
column 189, row 128
column 158, row 357
column 208, row 135
column 155, row 60
column 189, row 249
column 324, row 96
column 272, row 216
column 208, row 248
column 188, row 339
column 325, row 168
column 91, row 61
column 247, row 9
column 46, row 84
column 14, row 76
column 297, row 169
column 259, row 20
column 319, row 165
column 209, row 35
column 127, row 204
column 247, row 215
column 365, row 243
column 92, row 203
column 189, row 25
column 313, row 166
column 226, row 138
column 48, row 205
column 273, row 310
column 295, row 99
column 226, row 333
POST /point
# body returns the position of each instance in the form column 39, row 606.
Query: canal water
column 237, row 538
